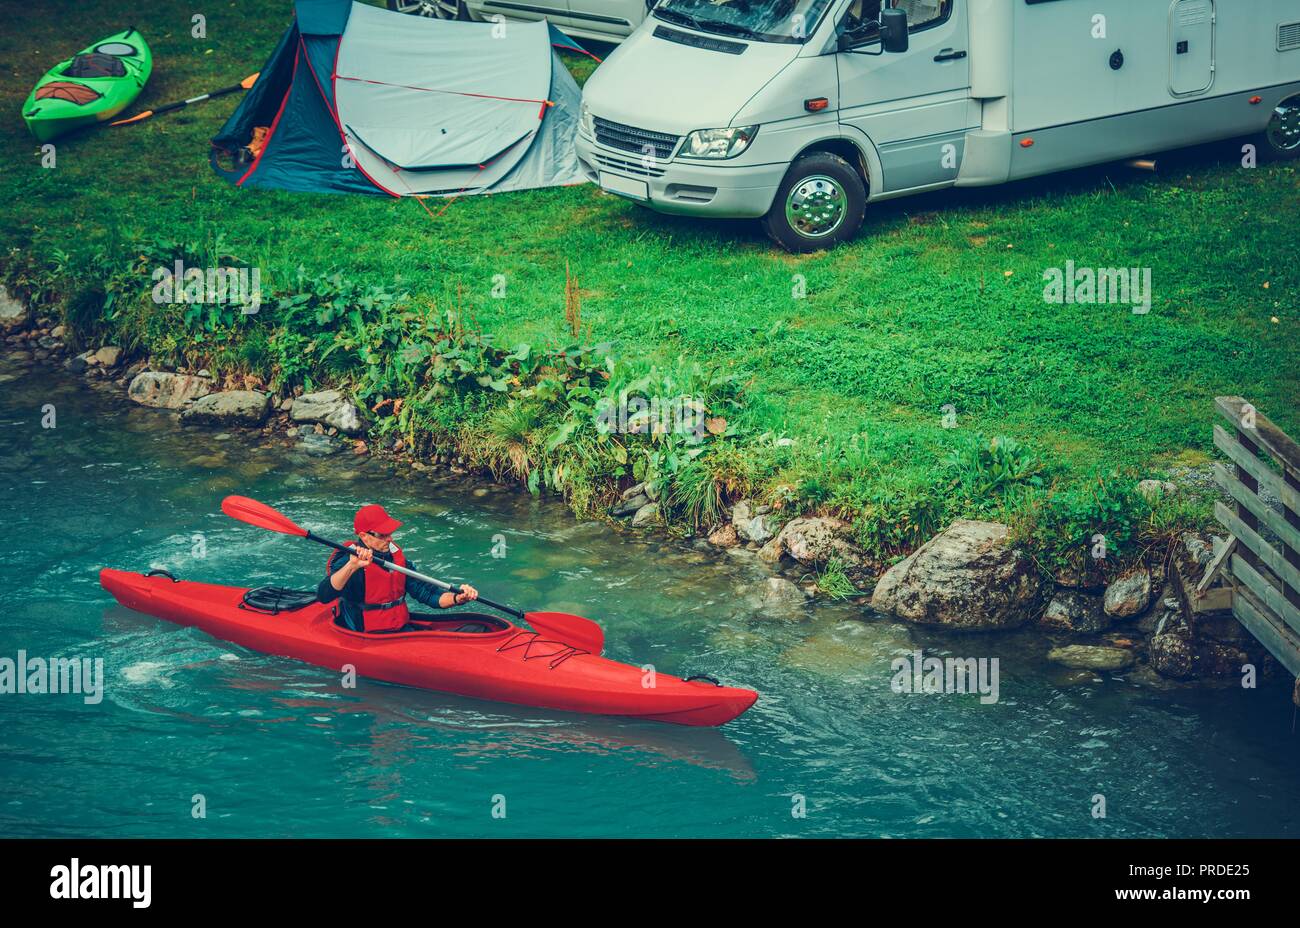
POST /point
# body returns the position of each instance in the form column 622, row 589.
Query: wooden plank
column 1290, row 536
column 1256, row 468
column 1262, row 549
column 1269, row 437
column 1268, row 594
column 1212, row 569
column 1282, row 642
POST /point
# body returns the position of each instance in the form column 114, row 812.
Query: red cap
column 372, row 518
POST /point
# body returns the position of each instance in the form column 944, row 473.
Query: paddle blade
column 249, row 81
column 571, row 629
column 259, row 514
column 136, row 118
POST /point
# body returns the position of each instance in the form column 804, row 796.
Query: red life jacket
column 384, row 608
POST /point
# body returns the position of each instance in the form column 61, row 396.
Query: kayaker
column 370, row 598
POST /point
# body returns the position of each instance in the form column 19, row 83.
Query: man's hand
column 361, row 559
column 467, row 594
column 358, row 559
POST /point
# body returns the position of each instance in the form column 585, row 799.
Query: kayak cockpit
column 275, row 600
column 457, row 625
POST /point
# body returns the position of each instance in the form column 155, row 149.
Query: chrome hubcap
column 815, row 206
column 420, row 8
column 1284, row 127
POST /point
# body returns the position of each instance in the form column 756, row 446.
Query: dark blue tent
column 356, row 99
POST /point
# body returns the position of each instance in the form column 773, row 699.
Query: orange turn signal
column 816, row 104
column 1026, row 143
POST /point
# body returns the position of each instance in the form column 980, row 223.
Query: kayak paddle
column 242, row 85
column 571, row 629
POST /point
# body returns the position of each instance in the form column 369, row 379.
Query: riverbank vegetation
column 910, row 378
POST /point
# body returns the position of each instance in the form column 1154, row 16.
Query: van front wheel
column 820, row 203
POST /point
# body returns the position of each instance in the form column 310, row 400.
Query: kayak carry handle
column 701, row 676
column 159, row 572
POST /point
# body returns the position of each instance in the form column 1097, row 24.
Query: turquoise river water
column 277, row 748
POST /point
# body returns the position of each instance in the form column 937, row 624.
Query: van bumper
column 688, row 188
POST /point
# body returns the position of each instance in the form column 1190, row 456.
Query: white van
column 602, row 20
column 802, row 111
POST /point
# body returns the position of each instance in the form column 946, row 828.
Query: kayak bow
column 496, row 660
column 93, row 85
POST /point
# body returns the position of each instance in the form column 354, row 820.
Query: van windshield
column 760, row 20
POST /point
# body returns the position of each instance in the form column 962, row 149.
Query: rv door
column 915, row 105
column 1191, row 47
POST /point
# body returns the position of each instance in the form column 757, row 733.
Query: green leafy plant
column 834, row 582
column 986, row 469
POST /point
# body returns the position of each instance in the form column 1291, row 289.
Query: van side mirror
column 893, row 31
column 892, row 34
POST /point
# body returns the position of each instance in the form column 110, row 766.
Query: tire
column 838, row 197
column 1281, row 140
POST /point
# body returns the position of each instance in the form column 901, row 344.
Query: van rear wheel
column 820, row 203
column 1281, row 140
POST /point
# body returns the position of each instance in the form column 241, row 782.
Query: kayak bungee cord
column 565, row 651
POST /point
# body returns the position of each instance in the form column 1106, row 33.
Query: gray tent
column 359, row 99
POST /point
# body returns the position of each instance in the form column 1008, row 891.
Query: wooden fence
column 1262, row 552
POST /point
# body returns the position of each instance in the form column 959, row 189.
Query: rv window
column 923, row 13
column 862, row 18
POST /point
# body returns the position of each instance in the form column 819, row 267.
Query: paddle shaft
column 149, row 114
column 415, row 575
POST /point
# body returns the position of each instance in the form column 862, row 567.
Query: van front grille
column 633, row 166
column 637, row 141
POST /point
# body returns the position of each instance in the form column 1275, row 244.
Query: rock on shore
column 165, row 390
column 812, row 540
column 234, row 407
column 967, row 577
column 330, row 408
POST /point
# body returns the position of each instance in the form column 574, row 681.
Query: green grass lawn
column 939, row 302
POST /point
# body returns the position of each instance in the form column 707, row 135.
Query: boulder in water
column 1092, row 657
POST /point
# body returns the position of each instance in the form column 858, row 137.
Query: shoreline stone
column 164, row 390
column 329, row 408
column 234, row 407
column 966, row 577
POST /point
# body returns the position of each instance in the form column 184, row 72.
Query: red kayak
column 468, row 654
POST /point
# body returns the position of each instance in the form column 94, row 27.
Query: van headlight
column 717, row 143
column 586, row 122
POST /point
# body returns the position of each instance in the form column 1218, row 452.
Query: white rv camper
column 803, row 111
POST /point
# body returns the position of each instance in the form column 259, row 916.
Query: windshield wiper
column 682, row 19
column 735, row 29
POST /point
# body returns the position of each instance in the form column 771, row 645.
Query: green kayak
column 93, row 85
